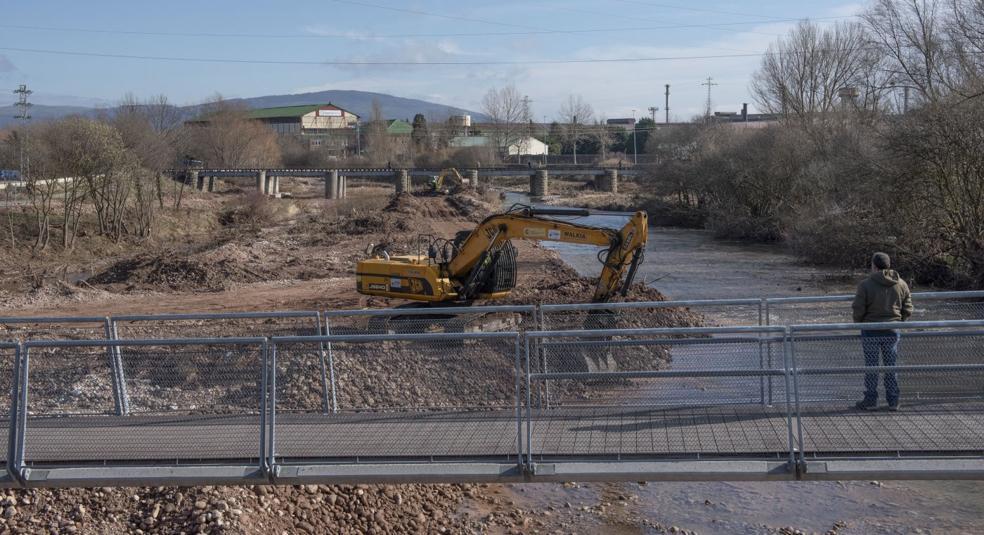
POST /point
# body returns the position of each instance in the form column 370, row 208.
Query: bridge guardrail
column 198, row 412
column 448, row 398
column 666, row 394
column 938, row 368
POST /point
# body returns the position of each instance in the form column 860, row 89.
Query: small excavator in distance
column 481, row 264
column 447, row 182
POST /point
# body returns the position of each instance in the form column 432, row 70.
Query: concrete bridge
column 268, row 180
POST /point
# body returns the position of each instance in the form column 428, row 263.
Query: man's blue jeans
column 885, row 343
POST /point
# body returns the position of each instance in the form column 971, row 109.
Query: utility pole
column 709, row 83
column 653, row 110
column 22, row 105
column 574, row 136
column 666, row 107
column 546, row 135
column 635, row 134
column 528, row 118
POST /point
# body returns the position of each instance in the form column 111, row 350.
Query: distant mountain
column 41, row 112
column 357, row 102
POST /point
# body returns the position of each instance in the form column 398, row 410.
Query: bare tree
column 379, row 146
column 966, row 32
column 574, row 115
column 911, row 34
column 226, row 137
column 508, row 114
column 801, row 74
column 150, row 137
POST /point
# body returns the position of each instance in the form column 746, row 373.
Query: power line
column 430, row 14
column 688, row 8
column 354, row 36
column 374, row 63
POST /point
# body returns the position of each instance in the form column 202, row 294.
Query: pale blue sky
column 313, row 34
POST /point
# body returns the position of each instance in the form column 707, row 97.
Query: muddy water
column 690, row 264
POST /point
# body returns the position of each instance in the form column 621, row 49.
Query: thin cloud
column 6, row 65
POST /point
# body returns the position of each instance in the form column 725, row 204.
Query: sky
column 616, row 54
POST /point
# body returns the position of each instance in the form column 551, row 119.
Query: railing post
column 12, row 431
column 116, row 369
column 331, row 369
column 542, row 351
column 264, row 370
column 323, row 367
column 786, row 368
column 518, row 373
column 529, row 411
column 272, row 460
column 18, row 464
column 762, row 360
column 768, row 345
column 791, row 337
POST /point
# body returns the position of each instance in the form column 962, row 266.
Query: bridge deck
column 591, row 433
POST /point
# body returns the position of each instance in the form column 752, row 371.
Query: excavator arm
column 466, row 275
column 624, row 247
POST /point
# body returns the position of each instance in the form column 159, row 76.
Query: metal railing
column 513, row 393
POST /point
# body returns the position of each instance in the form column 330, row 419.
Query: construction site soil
column 296, row 254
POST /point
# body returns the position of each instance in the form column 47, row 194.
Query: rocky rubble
column 245, row 510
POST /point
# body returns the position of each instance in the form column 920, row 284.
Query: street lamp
column 635, row 132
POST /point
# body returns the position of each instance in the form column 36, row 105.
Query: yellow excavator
column 441, row 183
column 481, row 264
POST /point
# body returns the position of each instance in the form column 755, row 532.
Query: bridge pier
column 342, row 187
column 211, row 183
column 193, row 178
column 607, row 182
column 275, row 186
column 473, row 178
column 402, row 177
column 538, row 183
column 261, row 182
column 331, row 184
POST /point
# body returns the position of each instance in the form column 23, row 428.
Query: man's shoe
column 866, row 405
column 895, row 407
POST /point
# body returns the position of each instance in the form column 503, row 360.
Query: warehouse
column 310, row 119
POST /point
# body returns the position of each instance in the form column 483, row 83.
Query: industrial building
column 310, row 119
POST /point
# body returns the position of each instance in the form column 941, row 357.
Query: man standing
column 882, row 297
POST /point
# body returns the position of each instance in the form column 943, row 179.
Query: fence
column 510, row 393
column 668, row 403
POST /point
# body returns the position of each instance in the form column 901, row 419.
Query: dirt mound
column 170, row 271
column 463, row 205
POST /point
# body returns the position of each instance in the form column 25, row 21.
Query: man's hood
column 886, row 277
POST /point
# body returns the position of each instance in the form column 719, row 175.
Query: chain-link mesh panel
column 8, row 365
column 634, row 316
column 302, row 324
column 415, row 321
column 52, row 329
column 938, row 384
column 451, row 397
column 709, row 394
column 185, row 403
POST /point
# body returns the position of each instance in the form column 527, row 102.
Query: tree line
column 879, row 145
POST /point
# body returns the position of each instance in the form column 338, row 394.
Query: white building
column 525, row 146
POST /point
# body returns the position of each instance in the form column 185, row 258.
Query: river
column 690, row 264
